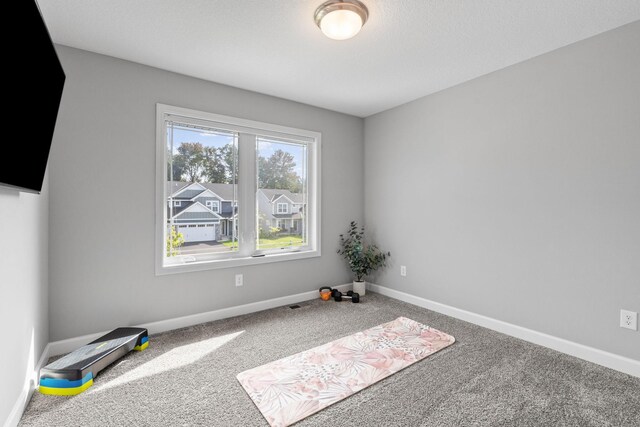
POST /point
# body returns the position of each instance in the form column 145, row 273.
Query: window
column 177, row 203
column 214, row 205
column 249, row 166
column 283, row 208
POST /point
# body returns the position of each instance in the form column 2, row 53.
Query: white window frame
column 177, row 203
column 214, row 205
column 248, row 130
column 283, row 211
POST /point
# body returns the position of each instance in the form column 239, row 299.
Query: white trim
column 46, row 354
column 590, row 354
column 161, row 189
column 278, row 208
column 247, row 214
column 215, row 196
column 70, row 344
column 314, row 199
column 182, row 224
column 194, row 205
column 232, row 124
column 283, row 195
column 237, row 260
column 202, row 187
column 19, row 406
column 27, row 391
column 213, row 202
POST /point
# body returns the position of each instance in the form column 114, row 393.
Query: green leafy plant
column 362, row 258
column 174, row 241
column 270, row 233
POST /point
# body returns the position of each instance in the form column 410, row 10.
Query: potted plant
column 362, row 258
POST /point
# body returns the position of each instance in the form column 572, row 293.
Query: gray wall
column 517, row 195
column 24, row 327
column 103, row 198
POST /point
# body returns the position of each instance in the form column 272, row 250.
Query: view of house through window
column 282, row 194
column 212, row 192
column 202, row 213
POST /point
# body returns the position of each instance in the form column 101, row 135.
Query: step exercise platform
column 74, row 373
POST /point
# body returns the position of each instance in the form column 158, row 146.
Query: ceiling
column 407, row 49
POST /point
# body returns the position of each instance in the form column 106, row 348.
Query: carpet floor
column 187, row 377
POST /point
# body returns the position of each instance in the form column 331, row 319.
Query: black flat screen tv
column 36, row 79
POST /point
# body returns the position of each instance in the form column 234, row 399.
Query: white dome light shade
column 341, row 20
column 341, row 24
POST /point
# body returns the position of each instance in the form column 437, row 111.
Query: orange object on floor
column 325, row 293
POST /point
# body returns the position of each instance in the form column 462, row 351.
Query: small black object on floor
column 350, row 295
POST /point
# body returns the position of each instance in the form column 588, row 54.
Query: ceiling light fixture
column 341, row 20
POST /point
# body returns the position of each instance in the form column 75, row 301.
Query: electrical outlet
column 403, row 270
column 239, row 280
column 629, row 319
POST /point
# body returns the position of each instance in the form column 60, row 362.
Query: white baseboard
column 65, row 346
column 19, row 406
column 590, row 354
column 27, row 391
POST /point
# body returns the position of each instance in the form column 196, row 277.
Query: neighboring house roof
column 175, row 186
column 208, row 193
column 187, row 194
column 225, row 191
column 272, row 195
column 226, row 214
column 178, row 209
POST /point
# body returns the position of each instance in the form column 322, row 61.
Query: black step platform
column 74, row 373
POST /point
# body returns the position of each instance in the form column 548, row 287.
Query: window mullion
column 247, row 193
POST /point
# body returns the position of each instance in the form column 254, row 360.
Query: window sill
column 235, row 262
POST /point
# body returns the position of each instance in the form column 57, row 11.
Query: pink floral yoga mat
column 297, row 386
